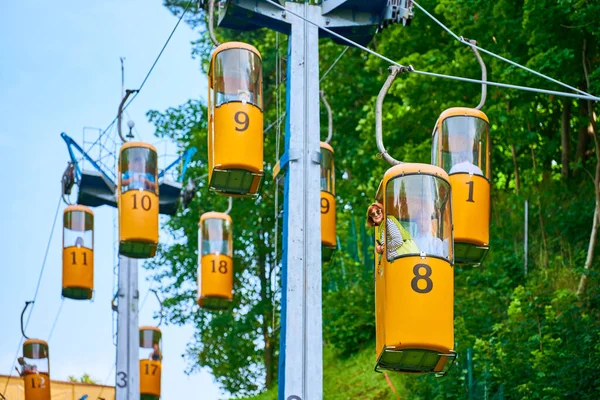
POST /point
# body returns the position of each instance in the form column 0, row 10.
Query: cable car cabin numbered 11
column 461, row 148
column 235, row 125
column 78, row 253
column 36, row 370
column 215, row 269
column 414, row 276
column 138, row 200
column 150, row 362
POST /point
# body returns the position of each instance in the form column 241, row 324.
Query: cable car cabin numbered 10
column 328, row 218
column 461, row 148
column 138, row 200
column 150, row 362
column 414, row 276
column 78, row 253
column 36, row 370
column 215, row 269
column 235, row 125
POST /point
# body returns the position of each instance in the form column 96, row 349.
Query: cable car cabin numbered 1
column 328, row 218
column 461, row 148
column 215, row 269
column 78, row 253
column 414, row 276
column 235, row 126
column 138, row 200
column 35, row 369
column 150, row 362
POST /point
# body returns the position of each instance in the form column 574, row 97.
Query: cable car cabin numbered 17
column 36, row 370
column 138, row 200
column 215, row 269
column 461, row 148
column 414, row 276
column 328, row 218
column 235, row 125
column 78, row 253
column 150, row 362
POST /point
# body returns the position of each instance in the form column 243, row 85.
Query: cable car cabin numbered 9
column 414, row 276
column 150, row 362
column 138, row 200
column 328, row 218
column 215, row 269
column 461, row 148
column 78, row 253
column 35, row 369
column 235, row 126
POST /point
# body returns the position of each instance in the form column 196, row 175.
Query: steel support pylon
column 127, row 384
column 301, row 351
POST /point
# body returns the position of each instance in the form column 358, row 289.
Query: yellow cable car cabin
column 414, row 275
column 328, row 218
column 461, row 148
column 215, row 272
column 235, row 125
column 35, row 370
column 150, row 362
column 138, row 200
column 78, row 253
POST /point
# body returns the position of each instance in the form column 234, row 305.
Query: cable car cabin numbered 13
column 150, row 362
column 36, row 370
column 78, row 253
column 235, row 125
column 414, row 276
column 461, row 148
column 215, row 269
column 138, row 200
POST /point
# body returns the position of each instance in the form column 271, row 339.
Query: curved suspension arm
column 483, row 73
column 329, row 116
column 128, row 92
column 229, row 207
column 161, row 306
column 211, row 28
column 378, row 115
column 27, row 303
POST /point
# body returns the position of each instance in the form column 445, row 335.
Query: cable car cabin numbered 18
column 215, row 269
column 414, row 276
column 36, row 370
column 235, row 125
column 461, row 148
column 78, row 253
column 150, row 362
column 138, row 200
column 328, row 218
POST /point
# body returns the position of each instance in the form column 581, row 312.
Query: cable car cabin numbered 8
column 328, row 218
column 150, row 362
column 36, row 370
column 138, row 200
column 78, row 253
column 215, row 272
column 235, row 126
column 414, row 277
column 461, row 148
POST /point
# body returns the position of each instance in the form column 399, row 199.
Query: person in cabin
column 399, row 241
column 79, row 241
column 463, row 164
column 25, row 367
column 136, row 177
column 424, row 238
column 156, row 355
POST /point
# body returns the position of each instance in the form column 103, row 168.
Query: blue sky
column 60, row 71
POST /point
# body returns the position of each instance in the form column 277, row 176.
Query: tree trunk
column 516, row 168
column 565, row 135
column 583, row 137
column 265, row 298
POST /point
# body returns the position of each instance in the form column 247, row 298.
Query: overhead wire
column 55, row 320
column 411, row 69
column 333, row 64
column 37, row 288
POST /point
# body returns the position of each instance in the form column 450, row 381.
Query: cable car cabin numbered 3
column 215, row 269
column 235, row 126
column 461, row 148
column 328, row 217
column 150, row 362
column 35, row 367
column 138, row 200
column 78, row 253
column 414, row 276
